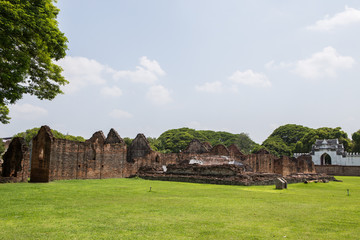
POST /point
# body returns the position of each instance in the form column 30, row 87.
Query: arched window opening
column 325, row 159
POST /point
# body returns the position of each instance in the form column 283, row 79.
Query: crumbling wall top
column 207, row 145
column 113, row 137
column 139, row 147
column 220, row 149
column 263, row 151
column 195, row 146
column 45, row 130
column 98, row 137
column 234, row 150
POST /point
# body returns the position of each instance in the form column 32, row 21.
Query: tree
column 356, row 141
column 291, row 138
column 2, row 147
column 128, row 141
column 29, row 134
column 277, row 146
column 30, row 42
column 175, row 140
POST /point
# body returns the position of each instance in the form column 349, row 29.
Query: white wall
column 350, row 159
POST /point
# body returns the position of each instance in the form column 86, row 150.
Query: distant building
column 331, row 152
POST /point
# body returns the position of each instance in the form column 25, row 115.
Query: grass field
column 126, row 209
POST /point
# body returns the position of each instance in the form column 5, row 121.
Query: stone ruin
column 222, row 165
column 16, row 162
column 109, row 157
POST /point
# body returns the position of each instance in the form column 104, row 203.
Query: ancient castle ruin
column 100, row 157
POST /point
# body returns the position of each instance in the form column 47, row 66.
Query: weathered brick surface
column 42, row 145
column 338, row 170
column 16, row 161
column 234, row 150
column 198, row 147
column 220, row 149
column 96, row 158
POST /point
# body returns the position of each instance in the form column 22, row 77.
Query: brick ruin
column 96, row 158
column 16, row 162
column 109, row 157
column 221, row 165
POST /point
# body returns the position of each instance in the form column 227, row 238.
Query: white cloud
column 211, row 87
column 250, row 78
column 120, row 114
column 159, row 95
column 323, row 64
column 81, row 72
column 111, row 91
column 347, row 17
column 28, row 111
column 273, row 66
column 148, row 72
column 152, row 66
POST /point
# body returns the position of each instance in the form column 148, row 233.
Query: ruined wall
column 59, row 159
column 139, row 148
column 195, row 146
column 212, row 170
column 220, row 149
column 337, row 170
column 100, row 157
column 234, row 150
column 114, row 156
column 96, row 158
column 40, row 155
column 268, row 163
column 65, row 157
column 16, row 163
column 260, row 162
column 305, row 164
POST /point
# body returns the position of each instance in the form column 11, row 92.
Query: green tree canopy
column 175, row 140
column 30, row 41
column 2, row 146
column 356, row 141
column 29, row 134
column 277, row 146
column 291, row 138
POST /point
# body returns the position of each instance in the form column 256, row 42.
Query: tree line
column 283, row 141
column 292, row 138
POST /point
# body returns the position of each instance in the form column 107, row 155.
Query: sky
column 225, row 65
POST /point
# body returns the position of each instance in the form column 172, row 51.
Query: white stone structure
column 331, row 152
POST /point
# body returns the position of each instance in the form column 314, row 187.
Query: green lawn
column 126, row 209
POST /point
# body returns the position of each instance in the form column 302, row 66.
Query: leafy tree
column 290, row 133
column 29, row 134
column 277, row 146
column 325, row 133
column 299, row 146
column 153, row 143
column 245, row 143
column 128, row 141
column 356, row 141
column 4, row 112
column 258, row 147
column 175, row 140
column 290, row 138
column 2, row 147
column 30, row 41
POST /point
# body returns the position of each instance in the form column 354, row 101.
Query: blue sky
column 237, row 66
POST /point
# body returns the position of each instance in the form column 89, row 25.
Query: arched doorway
column 325, row 159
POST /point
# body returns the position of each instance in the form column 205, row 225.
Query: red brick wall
column 338, row 170
column 16, row 161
